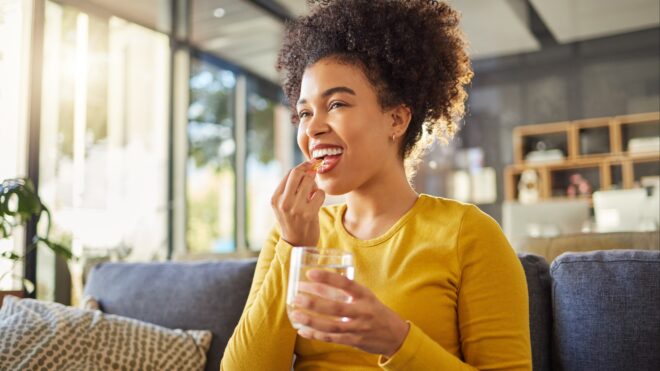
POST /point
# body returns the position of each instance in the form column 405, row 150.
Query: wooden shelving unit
column 595, row 148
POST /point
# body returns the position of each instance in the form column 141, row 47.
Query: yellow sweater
column 444, row 266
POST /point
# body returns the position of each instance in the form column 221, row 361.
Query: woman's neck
column 376, row 206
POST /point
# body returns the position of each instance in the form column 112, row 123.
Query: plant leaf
column 57, row 248
column 5, row 228
column 28, row 285
column 20, row 195
column 10, row 255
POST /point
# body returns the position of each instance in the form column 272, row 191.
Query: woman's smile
column 328, row 155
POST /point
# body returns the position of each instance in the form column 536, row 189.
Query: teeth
column 326, row 152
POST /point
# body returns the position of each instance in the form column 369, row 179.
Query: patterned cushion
column 36, row 335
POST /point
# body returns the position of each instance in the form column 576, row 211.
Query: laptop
column 622, row 210
column 543, row 219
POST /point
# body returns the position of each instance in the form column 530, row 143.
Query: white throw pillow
column 37, row 335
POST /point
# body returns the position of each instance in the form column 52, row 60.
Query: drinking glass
column 304, row 259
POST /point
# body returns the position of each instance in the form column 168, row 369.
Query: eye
column 303, row 114
column 334, row 105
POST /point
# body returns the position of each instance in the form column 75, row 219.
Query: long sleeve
column 493, row 316
column 264, row 338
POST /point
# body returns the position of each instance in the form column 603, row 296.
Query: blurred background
column 157, row 129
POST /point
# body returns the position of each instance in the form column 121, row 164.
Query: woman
column 437, row 286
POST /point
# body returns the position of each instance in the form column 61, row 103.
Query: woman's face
column 342, row 122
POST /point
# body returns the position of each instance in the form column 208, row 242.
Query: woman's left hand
column 368, row 324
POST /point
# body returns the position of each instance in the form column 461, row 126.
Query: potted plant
column 19, row 203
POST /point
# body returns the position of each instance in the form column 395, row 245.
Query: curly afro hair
column 412, row 52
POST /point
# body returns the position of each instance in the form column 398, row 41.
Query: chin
column 335, row 188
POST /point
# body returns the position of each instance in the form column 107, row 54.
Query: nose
column 316, row 126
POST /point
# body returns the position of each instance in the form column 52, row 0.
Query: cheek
column 369, row 144
column 365, row 137
column 302, row 140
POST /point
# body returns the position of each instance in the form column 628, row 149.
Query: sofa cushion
column 605, row 309
column 540, row 309
column 209, row 295
column 38, row 335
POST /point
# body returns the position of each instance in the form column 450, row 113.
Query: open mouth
column 329, row 158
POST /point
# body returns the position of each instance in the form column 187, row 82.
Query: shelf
column 645, row 168
column 583, row 181
column 596, row 149
column 635, row 127
column 615, row 176
column 592, row 137
column 647, row 156
column 527, row 139
column 594, row 141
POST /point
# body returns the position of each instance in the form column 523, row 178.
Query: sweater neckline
column 339, row 225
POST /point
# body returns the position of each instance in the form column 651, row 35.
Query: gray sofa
column 588, row 311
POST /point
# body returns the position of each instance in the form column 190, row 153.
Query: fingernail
column 300, row 300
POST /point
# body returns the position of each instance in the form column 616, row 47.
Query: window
column 104, row 138
column 211, row 174
column 15, row 18
column 269, row 152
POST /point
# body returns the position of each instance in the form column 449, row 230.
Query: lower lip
column 329, row 163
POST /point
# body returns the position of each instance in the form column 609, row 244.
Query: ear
column 401, row 116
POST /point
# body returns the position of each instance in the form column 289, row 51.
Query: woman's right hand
column 296, row 203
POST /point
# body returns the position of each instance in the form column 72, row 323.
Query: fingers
column 366, row 324
column 338, row 281
column 292, row 204
column 324, row 324
column 326, row 307
column 305, row 189
column 296, row 176
column 299, row 180
column 317, row 198
column 326, row 300
column 338, row 338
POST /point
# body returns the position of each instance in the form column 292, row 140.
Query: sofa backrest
column 606, row 310
column 537, row 273
column 212, row 296
column 189, row 296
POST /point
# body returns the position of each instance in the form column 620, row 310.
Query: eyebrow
column 329, row 92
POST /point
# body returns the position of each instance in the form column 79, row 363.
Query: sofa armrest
column 537, row 273
column 605, row 310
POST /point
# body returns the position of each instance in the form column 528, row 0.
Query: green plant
column 19, row 203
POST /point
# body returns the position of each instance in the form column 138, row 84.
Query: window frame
column 182, row 51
